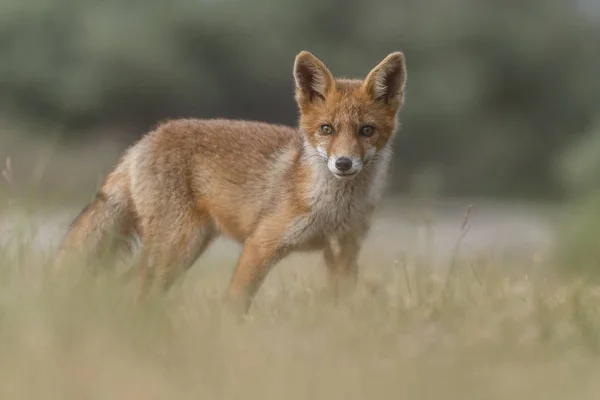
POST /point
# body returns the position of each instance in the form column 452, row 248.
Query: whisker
column 309, row 156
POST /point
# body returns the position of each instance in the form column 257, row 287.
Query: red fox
column 274, row 189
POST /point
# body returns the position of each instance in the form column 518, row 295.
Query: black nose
column 343, row 164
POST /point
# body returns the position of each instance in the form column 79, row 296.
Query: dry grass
column 490, row 331
column 480, row 329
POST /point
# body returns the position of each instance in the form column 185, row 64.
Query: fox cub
column 271, row 188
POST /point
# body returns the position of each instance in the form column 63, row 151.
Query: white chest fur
column 339, row 207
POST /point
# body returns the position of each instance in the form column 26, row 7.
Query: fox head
column 348, row 122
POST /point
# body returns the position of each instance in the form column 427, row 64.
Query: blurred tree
column 578, row 253
column 495, row 89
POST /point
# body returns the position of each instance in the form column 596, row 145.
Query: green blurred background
column 501, row 102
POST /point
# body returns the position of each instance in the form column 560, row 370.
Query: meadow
column 449, row 306
column 502, row 102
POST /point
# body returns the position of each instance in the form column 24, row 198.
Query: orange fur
column 272, row 188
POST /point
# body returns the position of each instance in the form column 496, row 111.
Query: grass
column 489, row 331
column 482, row 327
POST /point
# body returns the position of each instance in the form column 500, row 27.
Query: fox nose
column 343, row 164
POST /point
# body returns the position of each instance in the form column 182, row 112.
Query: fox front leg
column 260, row 253
column 341, row 260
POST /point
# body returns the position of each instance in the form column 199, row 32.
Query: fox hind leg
column 168, row 252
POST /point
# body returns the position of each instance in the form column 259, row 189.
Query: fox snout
column 343, row 166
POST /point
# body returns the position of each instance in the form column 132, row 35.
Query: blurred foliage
column 579, row 167
column 578, row 252
column 496, row 90
column 579, row 233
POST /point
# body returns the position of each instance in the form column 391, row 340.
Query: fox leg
column 341, row 260
column 196, row 246
column 259, row 255
column 167, row 255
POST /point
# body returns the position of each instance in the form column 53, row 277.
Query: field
column 458, row 298
column 441, row 311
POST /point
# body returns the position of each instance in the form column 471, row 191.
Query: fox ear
column 386, row 81
column 313, row 79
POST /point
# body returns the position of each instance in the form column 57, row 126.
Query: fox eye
column 326, row 129
column 367, row 131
